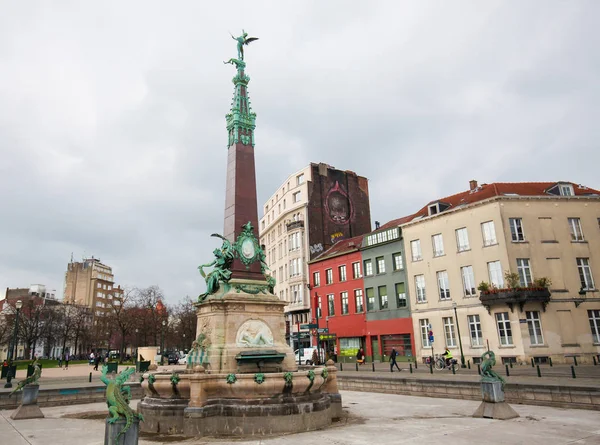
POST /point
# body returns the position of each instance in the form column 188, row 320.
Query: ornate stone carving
column 254, row 333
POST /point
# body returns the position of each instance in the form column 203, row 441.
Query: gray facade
column 385, row 278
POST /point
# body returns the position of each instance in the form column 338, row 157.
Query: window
column 344, row 303
column 576, row 232
column 330, row 305
column 443, row 285
column 320, row 309
column 495, row 272
column 516, row 229
column 415, row 248
column 475, row 330
column 109, row 287
column 316, row 279
column 380, row 264
column 328, row 276
column 383, row 297
column 355, row 270
column 99, row 286
column 295, row 267
column 585, row 273
column 424, row 325
column 566, row 190
column 295, row 241
column 462, row 239
column 368, row 268
column 342, row 272
column 438, row 245
column 358, row 299
column 468, row 280
column 449, row 331
column 504, row 331
column 524, row 270
column 420, row 286
column 400, row 295
column 300, row 179
column 370, row 299
column 535, row 327
column 489, row 233
column 297, row 196
column 594, row 317
column 397, row 261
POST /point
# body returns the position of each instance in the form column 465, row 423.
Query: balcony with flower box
column 514, row 294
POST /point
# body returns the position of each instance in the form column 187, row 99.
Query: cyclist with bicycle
column 447, row 355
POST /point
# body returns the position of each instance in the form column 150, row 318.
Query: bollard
column 573, row 371
column 538, row 371
column 575, row 360
column 373, row 366
column 507, row 373
column 469, row 364
column 478, row 369
column 431, row 366
column 357, row 366
column 594, row 358
column 550, row 361
column 453, row 370
column 510, row 363
column 410, row 367
column 532, row 364
column 341, row 366
column 415, row 362
column 90, row 380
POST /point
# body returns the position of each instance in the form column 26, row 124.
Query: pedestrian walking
column 393, row 362
column 96, row 362
column 360, row 356
column 67, row 360
column 60, row 360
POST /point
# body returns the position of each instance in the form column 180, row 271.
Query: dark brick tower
column 240, row 191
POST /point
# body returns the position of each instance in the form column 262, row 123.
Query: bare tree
column 150, row 316
column 123, row 315
column 184, row 320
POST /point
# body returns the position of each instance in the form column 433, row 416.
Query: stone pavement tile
column 8, row 434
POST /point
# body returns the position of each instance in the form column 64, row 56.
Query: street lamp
column 162, row 342
column 183, row 348
column 13, row 355
column 137, row 344
column 462, row 357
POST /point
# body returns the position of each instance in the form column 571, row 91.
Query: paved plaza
column 371, row 418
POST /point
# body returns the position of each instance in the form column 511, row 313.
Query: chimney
column 472, row 184
column 377, row 225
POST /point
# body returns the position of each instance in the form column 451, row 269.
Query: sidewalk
column 382, row 418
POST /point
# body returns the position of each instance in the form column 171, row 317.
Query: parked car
column 183, row 359
column 173, row 359
column 307, row 355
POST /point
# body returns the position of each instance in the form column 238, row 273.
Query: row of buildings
column 504, row 266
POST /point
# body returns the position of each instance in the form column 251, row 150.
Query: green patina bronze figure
column 118, row 397
column 222, row 263
column 239, row 64
column 241, row 41
column 31, row 380
column 488, row 359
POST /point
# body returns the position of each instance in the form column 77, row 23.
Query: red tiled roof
column 486, row 191
column 342, row 246
column 395, row 222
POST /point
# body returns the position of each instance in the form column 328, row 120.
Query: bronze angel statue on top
column 241, row 41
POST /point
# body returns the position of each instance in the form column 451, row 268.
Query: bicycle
column 439, row 363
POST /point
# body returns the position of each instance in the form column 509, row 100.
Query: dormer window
column 566, row 189
column 435, row 208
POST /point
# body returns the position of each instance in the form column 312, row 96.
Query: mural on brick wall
column 338, row 204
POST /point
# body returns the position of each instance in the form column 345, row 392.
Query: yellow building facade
column 534, row 231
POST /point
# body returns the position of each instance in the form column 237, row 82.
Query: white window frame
column 443, row 284
column 437, row 242
column 594, row 317
column 420, row 288
column 566, row 190
column 475, row 330
column 342, row 272
column 368, row 268
column 524, row 270
column 345, row 305
column 516, row 229
column 449, row 331
column 400, row 296
column 358, row 298
column 370, row 305
column 576, row 230
column 300, row 179
column 462, row 240
column 495, row 274
column 488, row 231
column 415, row 249
column 534, row 324
column 297, row 197
column 585, row 273
column 384, row 300
column 398, row 264
column 424, row 327
column 380, row 264
column 316, row 278
column 330, row 305
column 356, row 270
column 504, row 328
column 468, row 280
column 328, row 276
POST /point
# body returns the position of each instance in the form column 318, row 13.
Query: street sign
column 309, row 326
column 323, row 331
column 327, row 337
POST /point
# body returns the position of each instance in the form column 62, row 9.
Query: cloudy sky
column 112, row 129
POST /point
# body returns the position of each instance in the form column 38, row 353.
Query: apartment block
column 460, row 249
